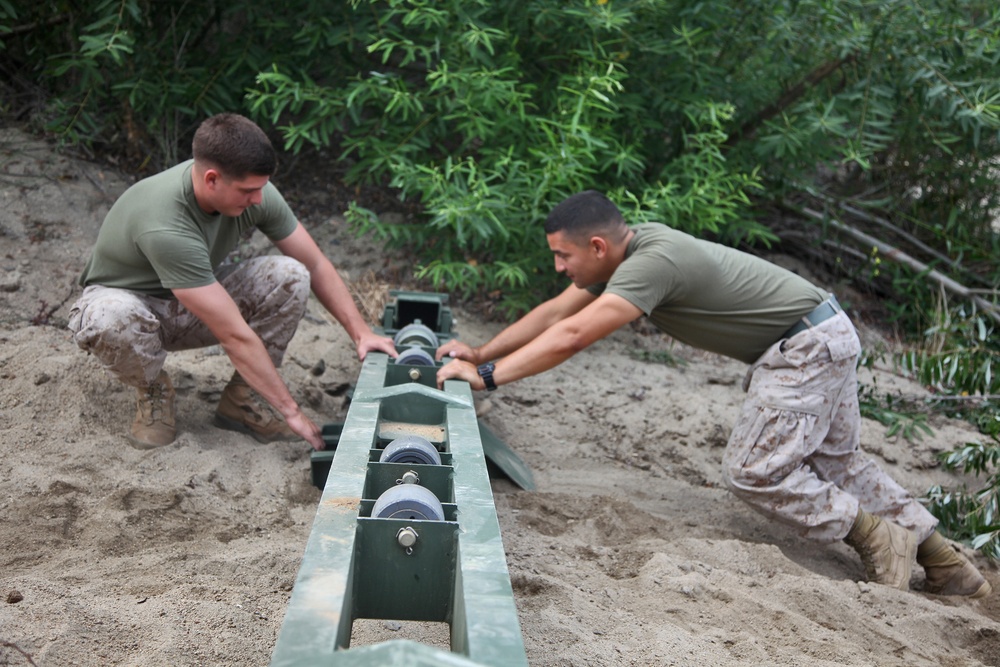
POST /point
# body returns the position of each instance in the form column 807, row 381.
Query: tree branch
column 789, row 97
column 31, row 27
column 897, row 255
column 894, row 229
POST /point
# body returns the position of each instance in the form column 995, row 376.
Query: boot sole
column 143, row 445
column 223, row 422
column 981, row 592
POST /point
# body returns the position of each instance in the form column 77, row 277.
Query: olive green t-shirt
column 156, row 238
column 708, row 295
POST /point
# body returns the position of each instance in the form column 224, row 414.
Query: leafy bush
column 489, row 114
column 490, row 128
column 960, row 355
column 697, row 114
column 957, row 360
column 972, row 516
column 133, row 78
column 898, row 416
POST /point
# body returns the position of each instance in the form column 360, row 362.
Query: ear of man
column 599, row 246
column 205, row 180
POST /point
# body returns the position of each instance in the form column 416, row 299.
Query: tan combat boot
column 241, row 409
column 154, row 424
column 886, row 549
column 948, row 571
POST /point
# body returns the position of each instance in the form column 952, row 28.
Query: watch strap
column 486, row 372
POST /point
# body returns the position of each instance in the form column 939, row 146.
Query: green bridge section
column 361, row 566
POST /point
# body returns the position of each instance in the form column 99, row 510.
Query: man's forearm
column 567, row 336
column 519, row 334
column 332, row 292
column 216, row 309
column 252, row 362
column 539, row 355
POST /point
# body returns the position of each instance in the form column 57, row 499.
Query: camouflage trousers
column 131, row 333
column 794, row 453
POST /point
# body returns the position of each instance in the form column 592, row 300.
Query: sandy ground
column 631, row 552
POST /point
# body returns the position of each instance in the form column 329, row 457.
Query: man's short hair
column 234, row 145
column 585, row 214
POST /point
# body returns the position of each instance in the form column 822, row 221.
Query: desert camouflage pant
column 131, row 333
column 794, row 452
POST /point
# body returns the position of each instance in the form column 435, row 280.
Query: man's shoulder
column 651, row 231
column 172, row 176
column 158, row 190
column 657, row 238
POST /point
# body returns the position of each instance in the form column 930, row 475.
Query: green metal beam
column 353, row 566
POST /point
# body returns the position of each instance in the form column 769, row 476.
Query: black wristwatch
column 486, row 372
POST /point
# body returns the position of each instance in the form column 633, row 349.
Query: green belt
column 820, row 313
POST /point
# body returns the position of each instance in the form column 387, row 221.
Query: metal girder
column 359, row 566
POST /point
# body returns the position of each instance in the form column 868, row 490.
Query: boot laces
column 155, row 401
column 867, row 555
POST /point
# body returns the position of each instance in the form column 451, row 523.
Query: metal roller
column 411, row 449
column 408, row 501
column 415, row 356
column 416, row 334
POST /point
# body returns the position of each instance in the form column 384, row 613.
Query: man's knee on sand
column 747, row 484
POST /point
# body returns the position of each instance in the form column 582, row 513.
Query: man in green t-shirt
column 794, row 453
column 156, row 282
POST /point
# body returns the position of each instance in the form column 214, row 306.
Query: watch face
column 486, row 373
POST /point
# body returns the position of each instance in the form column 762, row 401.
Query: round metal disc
column 416, row 334
column 411, row 449
column 415, row 356
column 408, row 501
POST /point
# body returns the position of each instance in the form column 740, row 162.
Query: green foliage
column 961, row 355
column 680, row 111
column 960, row 359
column 488, row 129
column 137, row 76
column 488, row 113
column 900, row 418
column 972, row 515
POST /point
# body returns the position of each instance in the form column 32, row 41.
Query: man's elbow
column 574, row 339
column 236, row 339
